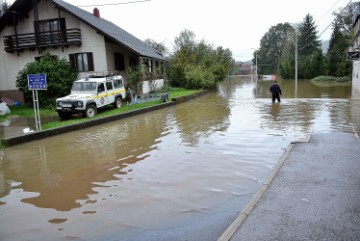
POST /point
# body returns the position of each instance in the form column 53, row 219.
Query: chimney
column 96, row 12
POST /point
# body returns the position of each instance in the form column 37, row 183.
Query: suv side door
column 101, row 99
column 110, row 92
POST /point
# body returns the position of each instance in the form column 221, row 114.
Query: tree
column 4, row 6
column 159, row 47
column 336, row 63
column 198, row 65
column 286, row 65
column 336, row 52
column 310, row 59
column 60, row 76
column 308, row 40
column 271, row 47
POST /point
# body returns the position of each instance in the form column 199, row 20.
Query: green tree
column 310, row 59
column 182, row 57
column 336, row 63
column 271, row 47
column 60, row 76
column 159, row 47
column 286, row 65
column 308, row 40
column 198, row 64
column 336, row 52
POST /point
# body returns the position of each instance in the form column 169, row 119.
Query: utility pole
column 296, row 57
column 296, row 63
column 256, row 62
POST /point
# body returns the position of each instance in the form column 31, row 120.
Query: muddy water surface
column 180, row 173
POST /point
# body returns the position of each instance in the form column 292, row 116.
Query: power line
column 327, row 12
column 112, row 4
column 335, row 18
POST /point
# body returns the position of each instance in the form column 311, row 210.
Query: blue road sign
column 37, row 81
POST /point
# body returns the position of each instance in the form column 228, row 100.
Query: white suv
column 91, row 93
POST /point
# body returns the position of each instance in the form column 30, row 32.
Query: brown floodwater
column 180, row 173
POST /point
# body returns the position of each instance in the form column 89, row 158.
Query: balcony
column 42, row 40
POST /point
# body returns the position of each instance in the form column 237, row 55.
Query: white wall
column 356, row 79
column 146, row 85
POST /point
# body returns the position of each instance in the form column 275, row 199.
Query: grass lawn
column 24, row 111
column 329, row 81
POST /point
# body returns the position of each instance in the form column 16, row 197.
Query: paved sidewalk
column 313, row 194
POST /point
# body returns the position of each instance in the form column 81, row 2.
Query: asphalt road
column 312, row 194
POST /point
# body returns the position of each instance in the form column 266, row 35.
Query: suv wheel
column 118, row 102
column 90, row 111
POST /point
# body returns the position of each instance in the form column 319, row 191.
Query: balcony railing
column 42, row 40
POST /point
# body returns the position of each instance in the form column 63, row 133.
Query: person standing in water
column 275, row 91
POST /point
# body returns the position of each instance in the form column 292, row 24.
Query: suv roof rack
column 104, row 73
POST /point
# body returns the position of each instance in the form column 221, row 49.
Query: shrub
column 331, row 80
column 197, row 78
column 60, row 76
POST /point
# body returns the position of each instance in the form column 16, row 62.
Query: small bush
column 331, row 80
column 60, row 76
column 199, row 79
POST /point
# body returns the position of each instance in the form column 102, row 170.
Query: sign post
column 36, row 82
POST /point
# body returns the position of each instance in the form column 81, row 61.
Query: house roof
column 107, row 28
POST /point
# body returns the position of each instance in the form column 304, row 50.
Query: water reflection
column 163, row 174
column 305, row 89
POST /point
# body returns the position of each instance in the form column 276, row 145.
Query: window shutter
column 91, row 61
column 72, row 60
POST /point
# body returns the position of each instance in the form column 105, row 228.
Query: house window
column 119, row 61
column 51, row 31
column 82, row 61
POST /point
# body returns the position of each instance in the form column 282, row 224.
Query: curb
column 6, row 142
column 235, row 225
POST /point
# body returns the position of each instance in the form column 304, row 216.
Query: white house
column 31, row 28
column 355, row 47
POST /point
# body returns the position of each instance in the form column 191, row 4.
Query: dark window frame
column 133, row 61
column 78, row 60
column 119, row 61
column 47, row 34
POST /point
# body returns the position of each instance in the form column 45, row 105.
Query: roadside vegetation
column 328, row 81
column 28, row 111
column 59, row 77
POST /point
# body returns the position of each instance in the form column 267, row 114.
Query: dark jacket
column 275, row 89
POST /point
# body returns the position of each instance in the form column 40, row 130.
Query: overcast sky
column 235, row 24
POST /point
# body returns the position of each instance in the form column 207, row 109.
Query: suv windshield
column 84, row 86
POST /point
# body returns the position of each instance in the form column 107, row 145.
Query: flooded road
column 180, row 173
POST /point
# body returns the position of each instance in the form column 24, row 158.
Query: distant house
column 355, row 48
column 30, row 28
column 246, row 69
